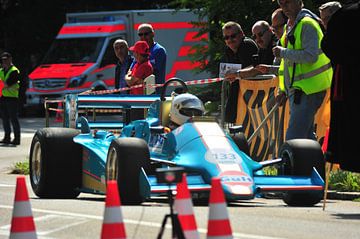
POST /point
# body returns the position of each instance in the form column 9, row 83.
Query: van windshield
column 74, row 50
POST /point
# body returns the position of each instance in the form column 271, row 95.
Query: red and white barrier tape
column 193, row 82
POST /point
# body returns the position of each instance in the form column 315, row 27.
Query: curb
column 343, row 195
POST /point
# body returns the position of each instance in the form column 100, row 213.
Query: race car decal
column 237, row 182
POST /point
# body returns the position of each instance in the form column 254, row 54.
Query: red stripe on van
column 91, row 29
column 167, row 25
column 182, row 66
column 185, row 51
column 191, row 37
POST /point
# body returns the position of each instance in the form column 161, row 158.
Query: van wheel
column 301, row 155
column 55, row 163
column 126, row 157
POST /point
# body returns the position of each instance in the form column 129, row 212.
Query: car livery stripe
column 206, row 129
column 291, row 188
column 91, row 29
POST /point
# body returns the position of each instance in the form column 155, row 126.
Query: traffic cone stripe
column 21, row 193
column 217, row 197
column 218, row 211
column 112, row 201
column 22, row 224
column 112, row 215
column 188, row 222
column 219, row 227
column 22, row 209
column 113, row 231
column 23, row 235
column 184, row 206
column 191, row 234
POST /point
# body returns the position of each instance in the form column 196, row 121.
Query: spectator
column 121, row 50
column 239, row 50
column 305, row 72
column 327, row 10
column 344, row 52
column 278, row 21
column 265, row 40
column 142, row 67
column 157, row 53
column 9, row 101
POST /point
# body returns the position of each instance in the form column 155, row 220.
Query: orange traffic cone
column 22, row 223
column 113, row 226
column 59, row 113
column 218, row 223
column 184, row 207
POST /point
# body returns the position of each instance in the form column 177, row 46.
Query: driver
column 183, row 107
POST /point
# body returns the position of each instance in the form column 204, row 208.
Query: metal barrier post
column 47, row 122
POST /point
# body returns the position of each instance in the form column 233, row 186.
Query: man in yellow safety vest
column 305, row 72
column 9, row 101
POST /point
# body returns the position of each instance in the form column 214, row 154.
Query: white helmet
column 184, row 106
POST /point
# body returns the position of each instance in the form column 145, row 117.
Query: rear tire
column 55, row 163
column 126, row 157
column 301, row 155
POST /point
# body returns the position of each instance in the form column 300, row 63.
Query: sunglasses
column 232, row 36
column 143, row 34
column 260, row 34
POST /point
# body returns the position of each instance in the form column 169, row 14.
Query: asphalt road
column 82, row 217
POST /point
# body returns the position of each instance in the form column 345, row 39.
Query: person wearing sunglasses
column 266, row 40
column 239, row 50
column 157, row 53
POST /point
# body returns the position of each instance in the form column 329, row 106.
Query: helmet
column 184, row 106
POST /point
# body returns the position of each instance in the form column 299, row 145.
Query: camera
column 169, row 175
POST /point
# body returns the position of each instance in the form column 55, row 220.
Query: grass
column 344, row 181
column 21, row 168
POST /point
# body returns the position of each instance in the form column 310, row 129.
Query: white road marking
column 7, row 185
column 143, row 223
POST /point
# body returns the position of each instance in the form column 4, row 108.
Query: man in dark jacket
column 239, row 50
column 344, row 52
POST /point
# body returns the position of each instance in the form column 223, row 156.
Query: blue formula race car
column 82, row 156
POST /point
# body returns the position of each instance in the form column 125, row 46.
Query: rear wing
column 89, row 103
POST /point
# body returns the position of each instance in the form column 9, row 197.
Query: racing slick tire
column 241, row 141
column 126, row 157
column 301, row 155
column 55, row 163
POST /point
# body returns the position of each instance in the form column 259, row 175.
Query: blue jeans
column 302, row 115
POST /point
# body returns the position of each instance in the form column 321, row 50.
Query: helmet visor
column 190, row 112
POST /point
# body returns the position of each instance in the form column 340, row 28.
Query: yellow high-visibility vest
column 309, row 77
column 13, row 90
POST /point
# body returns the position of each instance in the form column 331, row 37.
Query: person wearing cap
column 157, row 53
column 142, row 67
column 9, row 101
column 121, row 50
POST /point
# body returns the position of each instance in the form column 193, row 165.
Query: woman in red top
column 141, row 69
